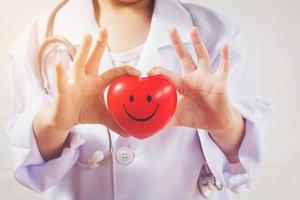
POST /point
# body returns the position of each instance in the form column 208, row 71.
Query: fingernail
column 101, row 34
column 195, row 29
column 125, row 135
column 137, row 72
column 173, row 30
column 155, row 71
column 88, row 37
column 103, row 29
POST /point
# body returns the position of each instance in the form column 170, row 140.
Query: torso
column 165, row 166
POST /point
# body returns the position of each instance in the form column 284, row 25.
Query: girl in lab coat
column 214, row 139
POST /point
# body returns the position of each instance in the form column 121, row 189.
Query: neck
column 141, row 9
column 124, row 20
column 116, row 4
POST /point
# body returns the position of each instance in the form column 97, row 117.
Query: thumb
column 108, row 76
column 173, row 122
column 110, row 123
column 171, row 76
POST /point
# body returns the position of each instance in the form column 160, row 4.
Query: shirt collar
column 77, row 18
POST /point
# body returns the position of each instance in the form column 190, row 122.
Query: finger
column 171, row 76
column 223, row 71
column 108, row 76
column 173, row 122
column 92, row 66
column 81, row 57
column 200, row 49
column 110, row 123
column 185, row 58
column 61, row 79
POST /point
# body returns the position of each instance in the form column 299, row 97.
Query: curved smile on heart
column 141, row 119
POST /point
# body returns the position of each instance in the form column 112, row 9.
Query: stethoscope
column 207, row 183
column 60, row 43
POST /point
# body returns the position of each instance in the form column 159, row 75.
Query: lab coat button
column 125, row 155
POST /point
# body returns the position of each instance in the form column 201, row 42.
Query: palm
column 79, row 102
column 204, row 95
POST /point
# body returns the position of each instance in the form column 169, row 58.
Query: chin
column 129, row 1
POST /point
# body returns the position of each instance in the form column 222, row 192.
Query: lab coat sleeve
column 215, row 31
column 238, row 177
column 29, row 167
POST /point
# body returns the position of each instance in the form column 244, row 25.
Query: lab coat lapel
column 76, row 19
column 80, row 17
column 158, row 50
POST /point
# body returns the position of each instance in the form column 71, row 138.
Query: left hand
column 204, row 101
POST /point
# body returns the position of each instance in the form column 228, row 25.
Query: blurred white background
column 273, row 30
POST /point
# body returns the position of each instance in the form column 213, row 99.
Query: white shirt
column 130, row 57
column 165, row 166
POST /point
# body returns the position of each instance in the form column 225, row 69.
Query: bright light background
column 273, row 31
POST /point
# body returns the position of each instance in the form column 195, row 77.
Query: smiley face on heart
column 141, row 106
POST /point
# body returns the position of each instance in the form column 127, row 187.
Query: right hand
column 81, row 99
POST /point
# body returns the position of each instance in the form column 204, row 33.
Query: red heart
column 141, row 106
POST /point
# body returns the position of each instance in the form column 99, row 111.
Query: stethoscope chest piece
column 96, row 159
column 99, row 157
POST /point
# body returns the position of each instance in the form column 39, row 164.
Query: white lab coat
column 165, row 166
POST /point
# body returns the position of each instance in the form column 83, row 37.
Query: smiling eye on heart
column 149, row 98
column 131, row 98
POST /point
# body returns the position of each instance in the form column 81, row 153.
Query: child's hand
column 81, row 101
column 204, row 101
